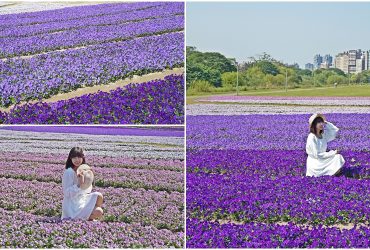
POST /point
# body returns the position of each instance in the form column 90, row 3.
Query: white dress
column 77, row 203
column 320, row 162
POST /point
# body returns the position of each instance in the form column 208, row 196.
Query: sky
column 289, row 32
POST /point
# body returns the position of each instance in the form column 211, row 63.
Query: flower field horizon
column 139, row 173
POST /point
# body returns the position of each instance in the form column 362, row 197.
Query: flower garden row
column 246, row 184
column 50, row 74
column 97, row 161
column 155, row 102
column 203, row 234
column 159, row 180
column 71, row 13
column 133, row 150
column 258, row 162
column 149, row 12
column 301, row 200
column 148, row 207
column 24, row 230
column 292, row 100
column 138, row 215
column 146, row 131
column 90, row 35
column 264, row 109
column 273, row 132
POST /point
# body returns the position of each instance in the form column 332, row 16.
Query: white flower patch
column 240, row 109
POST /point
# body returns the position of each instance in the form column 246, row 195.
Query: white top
column 77, row 203
column 320, row 162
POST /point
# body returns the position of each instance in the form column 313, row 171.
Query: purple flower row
column 325, row 200
column 49, row 74
column 267, row 163
column 161, row 10
column 263, row 132
column 155, row 102
column 70, row 13
column 95, row 160
column 203, row 234
column 149, row 179
column 18, row 46
column 148, row 208
column 23, row 230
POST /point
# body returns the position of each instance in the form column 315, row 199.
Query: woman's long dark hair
column 314, row 123
column 75, row 152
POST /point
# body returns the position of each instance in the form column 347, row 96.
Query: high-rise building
column 352, row 61
column 341, row 62
column 317, row 60
column 308, row 66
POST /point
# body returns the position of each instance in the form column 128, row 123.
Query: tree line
column 212, row 71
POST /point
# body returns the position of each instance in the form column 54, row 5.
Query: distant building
column 309, row 66
column 352, row 61
column 325, row 65
column 328, row 60
column 317, row 60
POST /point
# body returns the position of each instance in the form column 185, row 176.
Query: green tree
column 206, row 66
column 228, row 79
column 268, row 67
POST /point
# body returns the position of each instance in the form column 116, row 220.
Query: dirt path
column 107, row 87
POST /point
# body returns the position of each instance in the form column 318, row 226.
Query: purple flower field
column 154, row 102
column 47, row 53
column 246, row 184
column 143, row 197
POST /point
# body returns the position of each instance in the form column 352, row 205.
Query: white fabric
column 320, row 162
column 77, row 203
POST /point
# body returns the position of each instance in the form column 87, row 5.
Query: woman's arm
column 311, row 150
column 70, row 190
column 330, row 131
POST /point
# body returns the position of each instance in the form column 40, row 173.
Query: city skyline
column 289, row 32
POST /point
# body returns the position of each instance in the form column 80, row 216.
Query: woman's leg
column 96, row 214
column 339, row 172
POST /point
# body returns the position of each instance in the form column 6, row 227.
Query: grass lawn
column 352, row 90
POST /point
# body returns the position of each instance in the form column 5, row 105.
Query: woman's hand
column 81, row 178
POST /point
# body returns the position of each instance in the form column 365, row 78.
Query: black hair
column 314, row 123
column 75, row 152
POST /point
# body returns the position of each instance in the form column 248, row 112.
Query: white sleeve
column 311, row 150
column 330, row 131
column 70, row 190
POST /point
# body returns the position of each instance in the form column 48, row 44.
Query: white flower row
column 322, row 101
column 102, row 145
column 21, row 7
column 240, row 109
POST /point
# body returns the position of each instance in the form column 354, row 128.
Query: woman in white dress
column 320, row 162
column 79, row 203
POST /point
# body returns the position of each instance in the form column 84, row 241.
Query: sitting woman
column 320, row 162
column 78, row 201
